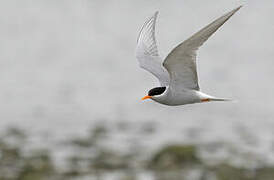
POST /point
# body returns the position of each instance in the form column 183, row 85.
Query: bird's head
column 154, row 92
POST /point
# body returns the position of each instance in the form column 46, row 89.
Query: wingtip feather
column 154, row 17
column 156, row 13
column 235, row 10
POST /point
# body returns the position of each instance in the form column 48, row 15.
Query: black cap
column 156, row 91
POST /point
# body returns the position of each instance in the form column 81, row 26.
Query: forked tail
column 205, row 97
column 220, row 99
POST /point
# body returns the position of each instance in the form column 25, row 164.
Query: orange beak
column 146, row 97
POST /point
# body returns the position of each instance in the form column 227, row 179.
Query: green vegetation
column 90, row 157
column 175, row 157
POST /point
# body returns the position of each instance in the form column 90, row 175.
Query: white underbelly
column 178, row 98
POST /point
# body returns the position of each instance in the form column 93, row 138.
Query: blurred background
column 70, row 90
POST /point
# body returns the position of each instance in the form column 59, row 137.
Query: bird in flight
column 177, row 74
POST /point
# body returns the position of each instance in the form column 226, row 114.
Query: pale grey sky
column 71, row 62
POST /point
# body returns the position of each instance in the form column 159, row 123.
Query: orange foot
column 205, row 100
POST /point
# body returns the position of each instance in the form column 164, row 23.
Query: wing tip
column 154, row 17
column 236, row 9
column 239, row 7
column 156, row 14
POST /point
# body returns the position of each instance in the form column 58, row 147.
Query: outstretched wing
column 147, row 52
column 181, row 62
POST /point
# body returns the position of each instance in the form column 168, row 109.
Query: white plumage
column 178, row 73
column 147, row 52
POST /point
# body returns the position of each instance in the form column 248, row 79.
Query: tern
column 177, row 74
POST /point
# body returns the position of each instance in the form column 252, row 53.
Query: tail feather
column 220, row 99
column 206, row 97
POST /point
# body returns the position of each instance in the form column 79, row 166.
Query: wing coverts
column 181, row 62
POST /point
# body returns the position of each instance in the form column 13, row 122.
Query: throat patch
column 156, row 91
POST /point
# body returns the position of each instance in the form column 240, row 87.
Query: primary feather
column 147, row 52
column 181, row 62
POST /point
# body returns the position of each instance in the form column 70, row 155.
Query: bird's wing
column 147, row 51
column 181, row 62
